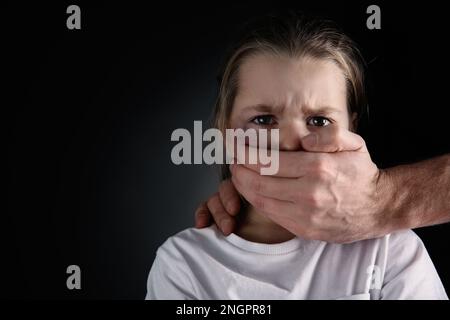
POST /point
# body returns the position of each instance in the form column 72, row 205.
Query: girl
column 297, row 75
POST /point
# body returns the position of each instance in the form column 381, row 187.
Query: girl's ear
column 354, row 122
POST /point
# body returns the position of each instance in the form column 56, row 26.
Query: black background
column 89, row 113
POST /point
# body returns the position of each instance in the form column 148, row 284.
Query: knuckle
column 315, row 220
column 322, row 168
column 322, row 175
column 233, row 205
column 313, row 199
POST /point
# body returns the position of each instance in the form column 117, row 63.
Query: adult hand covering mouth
column 332, row 191
column 327, row 192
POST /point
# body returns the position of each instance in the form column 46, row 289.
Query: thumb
column 333, row 140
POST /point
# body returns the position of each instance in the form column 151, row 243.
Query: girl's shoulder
column 191, row 240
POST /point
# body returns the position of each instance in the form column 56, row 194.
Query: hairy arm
column 416, row 195
column 339, row 195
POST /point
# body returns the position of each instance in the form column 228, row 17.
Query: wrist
column 397, row 200
column 388, row 211
column 383, row 202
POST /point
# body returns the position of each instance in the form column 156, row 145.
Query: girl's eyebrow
column 321, row 109
column 264, row 108
column 278, row 109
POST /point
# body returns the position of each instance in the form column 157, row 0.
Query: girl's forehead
column 283, row 80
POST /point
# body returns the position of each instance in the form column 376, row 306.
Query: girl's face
column 295, row 95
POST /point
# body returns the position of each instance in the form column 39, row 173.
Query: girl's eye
column 318, row 121
column 264, row 120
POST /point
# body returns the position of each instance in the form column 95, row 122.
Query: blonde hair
column 297, row 36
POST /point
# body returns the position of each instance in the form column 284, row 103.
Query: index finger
column 291, row 164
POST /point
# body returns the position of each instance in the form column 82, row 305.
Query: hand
column 223, row 206
column 331, row 194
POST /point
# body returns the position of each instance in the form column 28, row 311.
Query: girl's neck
column 254, row 226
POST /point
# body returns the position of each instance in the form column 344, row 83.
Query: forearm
column 417, row 195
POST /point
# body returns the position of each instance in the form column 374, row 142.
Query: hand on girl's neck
column 254, row 226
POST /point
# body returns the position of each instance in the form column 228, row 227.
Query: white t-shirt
column 204, row 264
